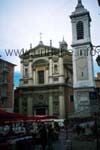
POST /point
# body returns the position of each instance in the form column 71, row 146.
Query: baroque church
column 48, row 75
column 46, row 81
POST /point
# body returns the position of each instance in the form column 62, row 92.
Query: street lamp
column 99, row 2
column 98, row 60
column 96, row 131
column 96, row 50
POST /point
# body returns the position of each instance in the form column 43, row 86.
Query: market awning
column 10, row 116
column 42, row 117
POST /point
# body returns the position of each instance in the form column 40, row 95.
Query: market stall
column 13, row 132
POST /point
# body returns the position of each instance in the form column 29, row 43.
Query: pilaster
column 20, row 105
column 50, row 105
column 61, row 70
column 29, row 105
column 22, row 69
column 61, row 106
column 50, row 70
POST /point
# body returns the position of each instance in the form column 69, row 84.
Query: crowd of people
column 86, row 129
column 48, row 134
column 43, row 134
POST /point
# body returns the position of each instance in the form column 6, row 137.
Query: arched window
column 81, row 53
column 55, row 69
column 80, row 30
column 41, row 76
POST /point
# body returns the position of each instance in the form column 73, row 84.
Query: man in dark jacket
column 43, row 137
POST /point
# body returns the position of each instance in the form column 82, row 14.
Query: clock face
column 82, row 68
column 82, row 63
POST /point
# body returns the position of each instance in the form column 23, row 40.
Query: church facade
column 49, row 75
column 46, row 81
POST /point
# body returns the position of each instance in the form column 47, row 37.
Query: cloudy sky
column 21, row 22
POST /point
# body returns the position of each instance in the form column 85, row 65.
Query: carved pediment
column 25, row 62
column 40, row 62
column 40, row 50
column 55, row 58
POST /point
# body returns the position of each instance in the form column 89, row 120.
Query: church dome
column 63, row 44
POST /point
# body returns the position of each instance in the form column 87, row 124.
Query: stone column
column 30, row 73
column 29, row 105
column 34, row 76
column 22, row 68
column 50, row 105
column 61, row 69
column 61, row 106
column 30, row 69
column 50, row 70
column 46, row 75
column 20, row 105
column 46, row 112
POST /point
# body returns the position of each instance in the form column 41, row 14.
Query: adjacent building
column 6, row 85
column 46, row 81
column 97, row 82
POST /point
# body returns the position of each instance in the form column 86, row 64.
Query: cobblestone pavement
column 83, row 145
column 61, row 143
column 72, row 143
column 57, row 145
column 80, row 144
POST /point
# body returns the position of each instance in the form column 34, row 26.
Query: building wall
column 83, row 77
column 97, row 82
column 6, row 85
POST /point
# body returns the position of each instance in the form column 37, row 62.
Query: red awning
column 10, row 116
column 42, row 117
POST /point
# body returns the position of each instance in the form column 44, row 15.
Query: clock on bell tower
column 83, row 76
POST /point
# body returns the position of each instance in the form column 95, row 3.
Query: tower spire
column 41, row 43
column 79, row 4
column 79, row 1
column 40, row 36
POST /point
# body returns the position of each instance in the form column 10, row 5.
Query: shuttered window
column 80, row 30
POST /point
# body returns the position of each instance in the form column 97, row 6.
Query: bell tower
column 83, row 76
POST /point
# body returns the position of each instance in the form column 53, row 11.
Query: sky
column 22, row 21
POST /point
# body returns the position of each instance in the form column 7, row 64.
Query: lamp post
column 96, row 131
column 96, row 51
column 99, row 2
column 98, row 60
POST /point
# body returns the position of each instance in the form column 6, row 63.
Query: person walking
column 50, row 137
column 43, row 137
column 78, row 129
